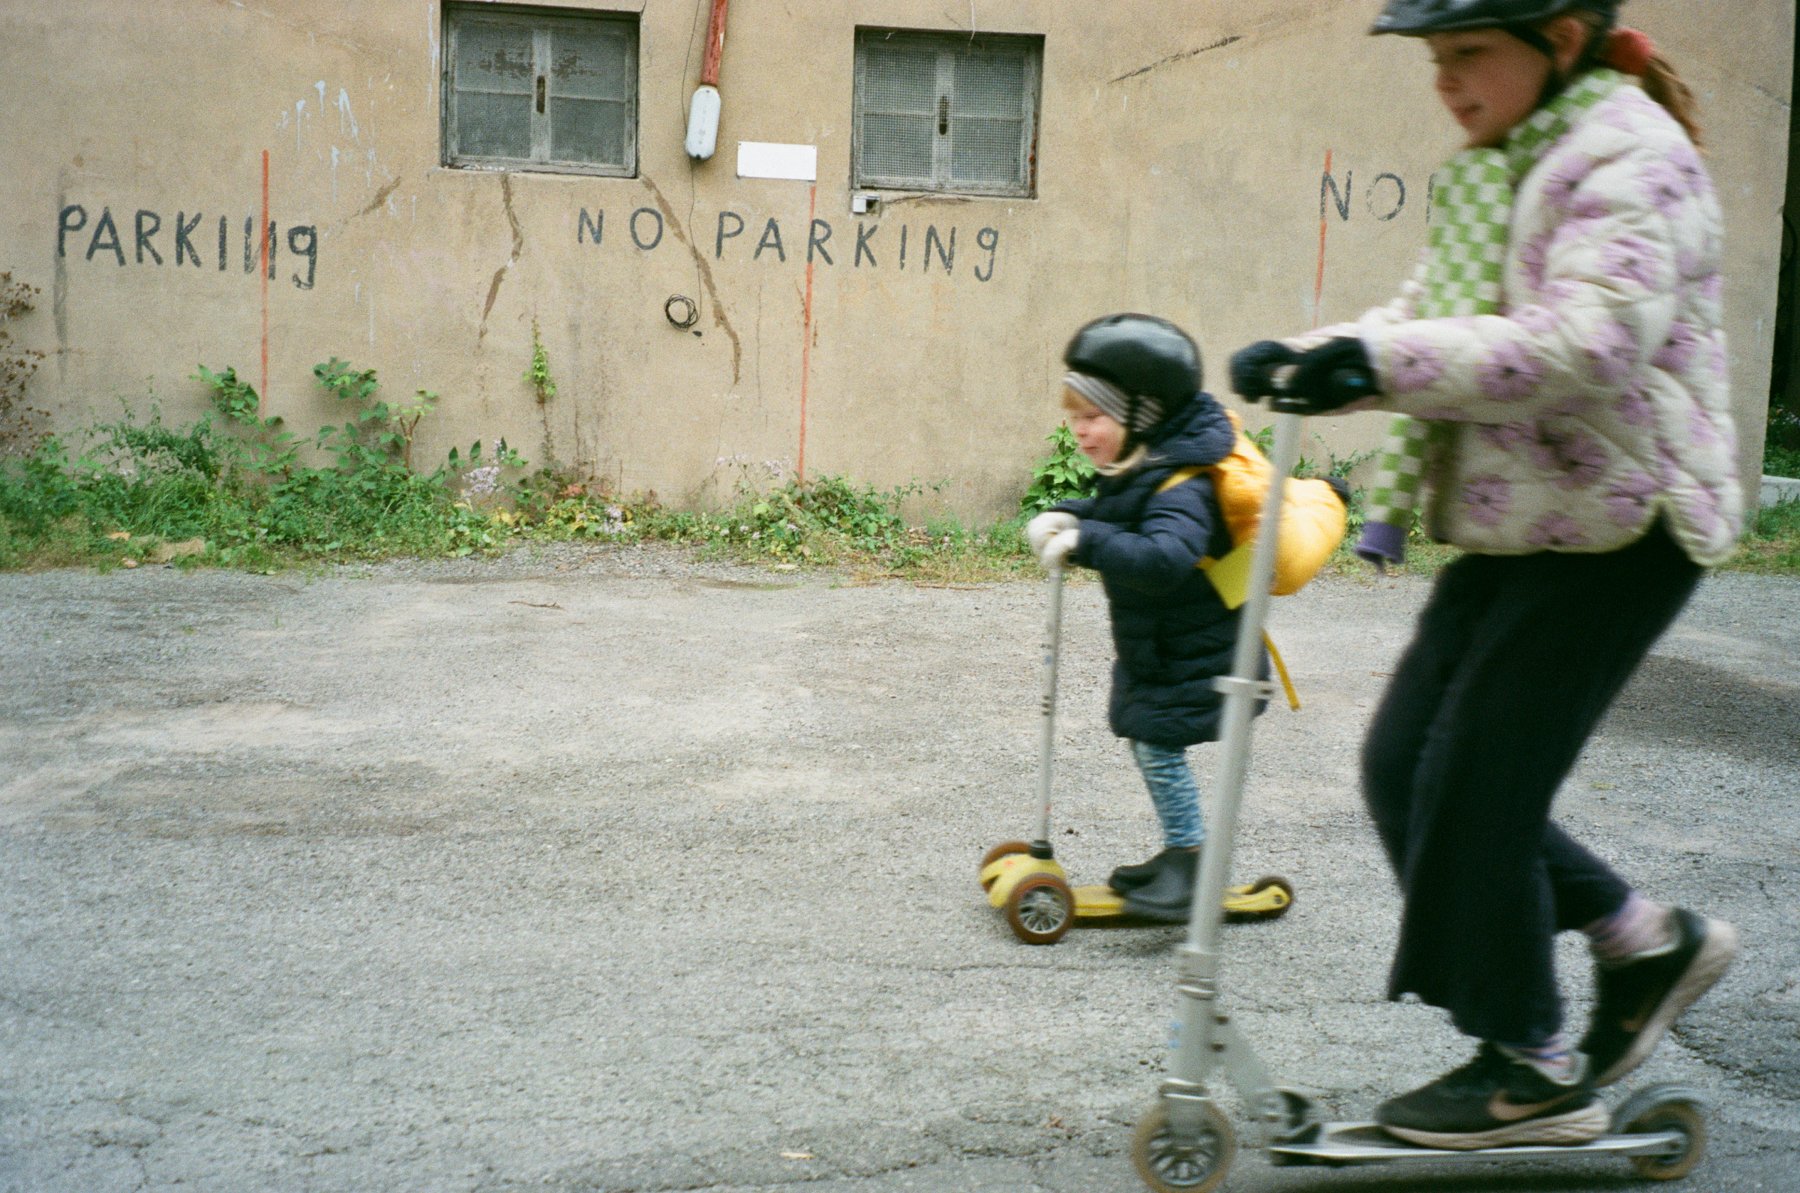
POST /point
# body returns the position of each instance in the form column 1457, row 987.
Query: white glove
column 1043, row 528
column 1056, row 552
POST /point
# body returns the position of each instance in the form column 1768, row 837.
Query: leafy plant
column 538, row 372
column 1065, row 474
column 1781, row 443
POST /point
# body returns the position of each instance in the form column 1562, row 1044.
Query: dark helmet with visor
column 1521, row 18
column 1417, row 18
column 1153, row 363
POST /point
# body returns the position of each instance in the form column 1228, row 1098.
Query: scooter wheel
column 1040, row 909
column 1170, row 1165
column 1004, row 849
column 1273, row 882
column 1672, row 1114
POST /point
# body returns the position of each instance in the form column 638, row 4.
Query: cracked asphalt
column 610, row 870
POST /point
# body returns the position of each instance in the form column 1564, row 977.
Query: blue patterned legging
column 1172, row 790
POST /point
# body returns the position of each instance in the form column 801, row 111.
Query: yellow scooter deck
column 1005, row 870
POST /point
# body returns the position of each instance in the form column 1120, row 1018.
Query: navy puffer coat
column 1171, row 633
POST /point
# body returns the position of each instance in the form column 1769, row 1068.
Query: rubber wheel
column 1681, row 1117
column 1040, row 909
column 1267, row 882
column 1004, row 849
column 1168, row 1166
column 1272, row 882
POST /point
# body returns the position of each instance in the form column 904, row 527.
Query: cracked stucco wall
column 1182, row 169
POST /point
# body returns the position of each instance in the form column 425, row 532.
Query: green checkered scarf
column 1465, row 260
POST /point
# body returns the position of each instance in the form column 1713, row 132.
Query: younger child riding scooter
column 1135, row 405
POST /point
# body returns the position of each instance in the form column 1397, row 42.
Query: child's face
column 1489, row 79
column 1100, row 436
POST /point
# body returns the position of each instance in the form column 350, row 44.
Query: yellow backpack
column 1313, row 520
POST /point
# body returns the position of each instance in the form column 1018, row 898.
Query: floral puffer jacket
column 1598, row 400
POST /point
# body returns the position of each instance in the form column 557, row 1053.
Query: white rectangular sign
column 762, row 159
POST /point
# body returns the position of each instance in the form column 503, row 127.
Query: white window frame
column 540, row 21
column 945, row 45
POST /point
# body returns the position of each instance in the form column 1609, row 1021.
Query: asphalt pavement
column 608, row 870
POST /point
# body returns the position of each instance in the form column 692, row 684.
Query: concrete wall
column 1246, row 167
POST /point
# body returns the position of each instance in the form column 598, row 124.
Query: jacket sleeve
column 1170, row 539
column 1081, row 507
column 1603, row 277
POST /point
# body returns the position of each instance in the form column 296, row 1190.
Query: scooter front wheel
column 1040, row 909
column 1171, row 1165
column 1648, row 1112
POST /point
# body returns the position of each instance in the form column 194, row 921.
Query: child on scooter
column 1571, row 431
column 1135, row 405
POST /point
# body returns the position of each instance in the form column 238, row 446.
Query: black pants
column 1513, row 662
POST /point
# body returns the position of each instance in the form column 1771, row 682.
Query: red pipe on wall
column 715, row 44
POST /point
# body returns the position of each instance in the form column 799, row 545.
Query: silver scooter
column 1184, row 1143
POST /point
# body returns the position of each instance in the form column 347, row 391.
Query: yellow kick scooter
column 1024, row 879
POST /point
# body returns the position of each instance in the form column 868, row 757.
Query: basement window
column 540, row 89
column 946, row 112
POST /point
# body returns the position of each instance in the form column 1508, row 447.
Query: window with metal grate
column 946, row 112
column 531, row 90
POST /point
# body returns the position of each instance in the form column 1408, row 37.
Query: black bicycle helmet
column 1416, row 18
column 1142, row 355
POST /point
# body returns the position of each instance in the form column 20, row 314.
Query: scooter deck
column 1341, row 1144
column 1266, row 898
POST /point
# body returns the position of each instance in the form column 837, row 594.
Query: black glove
column 1334, row 374
column 1252, row 366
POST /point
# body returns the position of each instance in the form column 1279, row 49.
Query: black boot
column 1130, row 878
column 1169, row 895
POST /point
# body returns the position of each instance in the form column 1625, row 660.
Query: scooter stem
column 1242, row 689
column 1047, row 738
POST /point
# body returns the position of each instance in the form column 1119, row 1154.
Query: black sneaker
column 1636, row 1000
column 1496, row 1100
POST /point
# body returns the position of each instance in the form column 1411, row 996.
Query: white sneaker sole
column 1558, row 1130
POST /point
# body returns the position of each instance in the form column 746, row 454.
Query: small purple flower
column 1693, row 172
column 1510, row 373
column 1633, row 259
column 1613, row 352
column 1590, row 205
column 1627, row 500
column 1701, row 429
column 1576, row 457
column 1712, row 287
column 1486, row 499
column 1664, row 186
column 1413, row 365
column 1507, row 437
column 1556, row 530
column 1561, row 291
column 1565, row 178
column 1536, row 319
column 1678, row 351
column 1619, row 115
column 1634, row 407
column 1533, row 259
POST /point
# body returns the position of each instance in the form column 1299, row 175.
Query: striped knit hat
column 1137, row 415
